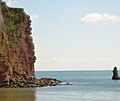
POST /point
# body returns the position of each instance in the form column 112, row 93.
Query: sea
column 84, row 86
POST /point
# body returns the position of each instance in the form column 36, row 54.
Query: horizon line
column 75, row 70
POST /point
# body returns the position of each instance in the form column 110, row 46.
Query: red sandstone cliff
column 17, row 56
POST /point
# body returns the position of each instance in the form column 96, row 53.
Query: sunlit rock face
column 17, row 56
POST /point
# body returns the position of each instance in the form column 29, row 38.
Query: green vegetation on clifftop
column 13, row 18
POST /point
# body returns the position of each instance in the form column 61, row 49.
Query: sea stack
column 115, row 74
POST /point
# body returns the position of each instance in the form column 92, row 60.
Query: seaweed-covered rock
column 31, row 83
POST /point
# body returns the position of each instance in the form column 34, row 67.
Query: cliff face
column 17, row 55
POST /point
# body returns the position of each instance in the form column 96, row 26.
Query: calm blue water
column 86, row 86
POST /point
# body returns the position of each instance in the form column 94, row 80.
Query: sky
column 74, row 34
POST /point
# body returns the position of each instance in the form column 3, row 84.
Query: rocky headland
column 17, row 55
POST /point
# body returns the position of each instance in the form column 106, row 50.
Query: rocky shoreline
column 31, row 83
column 17, row 54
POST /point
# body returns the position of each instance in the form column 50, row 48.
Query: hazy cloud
column 34, row 17
column 10, row 2
column 78, row 63
column 100, row 17
column 78, row 60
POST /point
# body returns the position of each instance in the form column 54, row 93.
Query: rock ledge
column 31, row 83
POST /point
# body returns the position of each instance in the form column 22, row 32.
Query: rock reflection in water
column 17, row 94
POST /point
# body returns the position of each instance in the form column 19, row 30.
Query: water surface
column 86, row 86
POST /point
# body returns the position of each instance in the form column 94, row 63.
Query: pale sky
column 74, row 34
